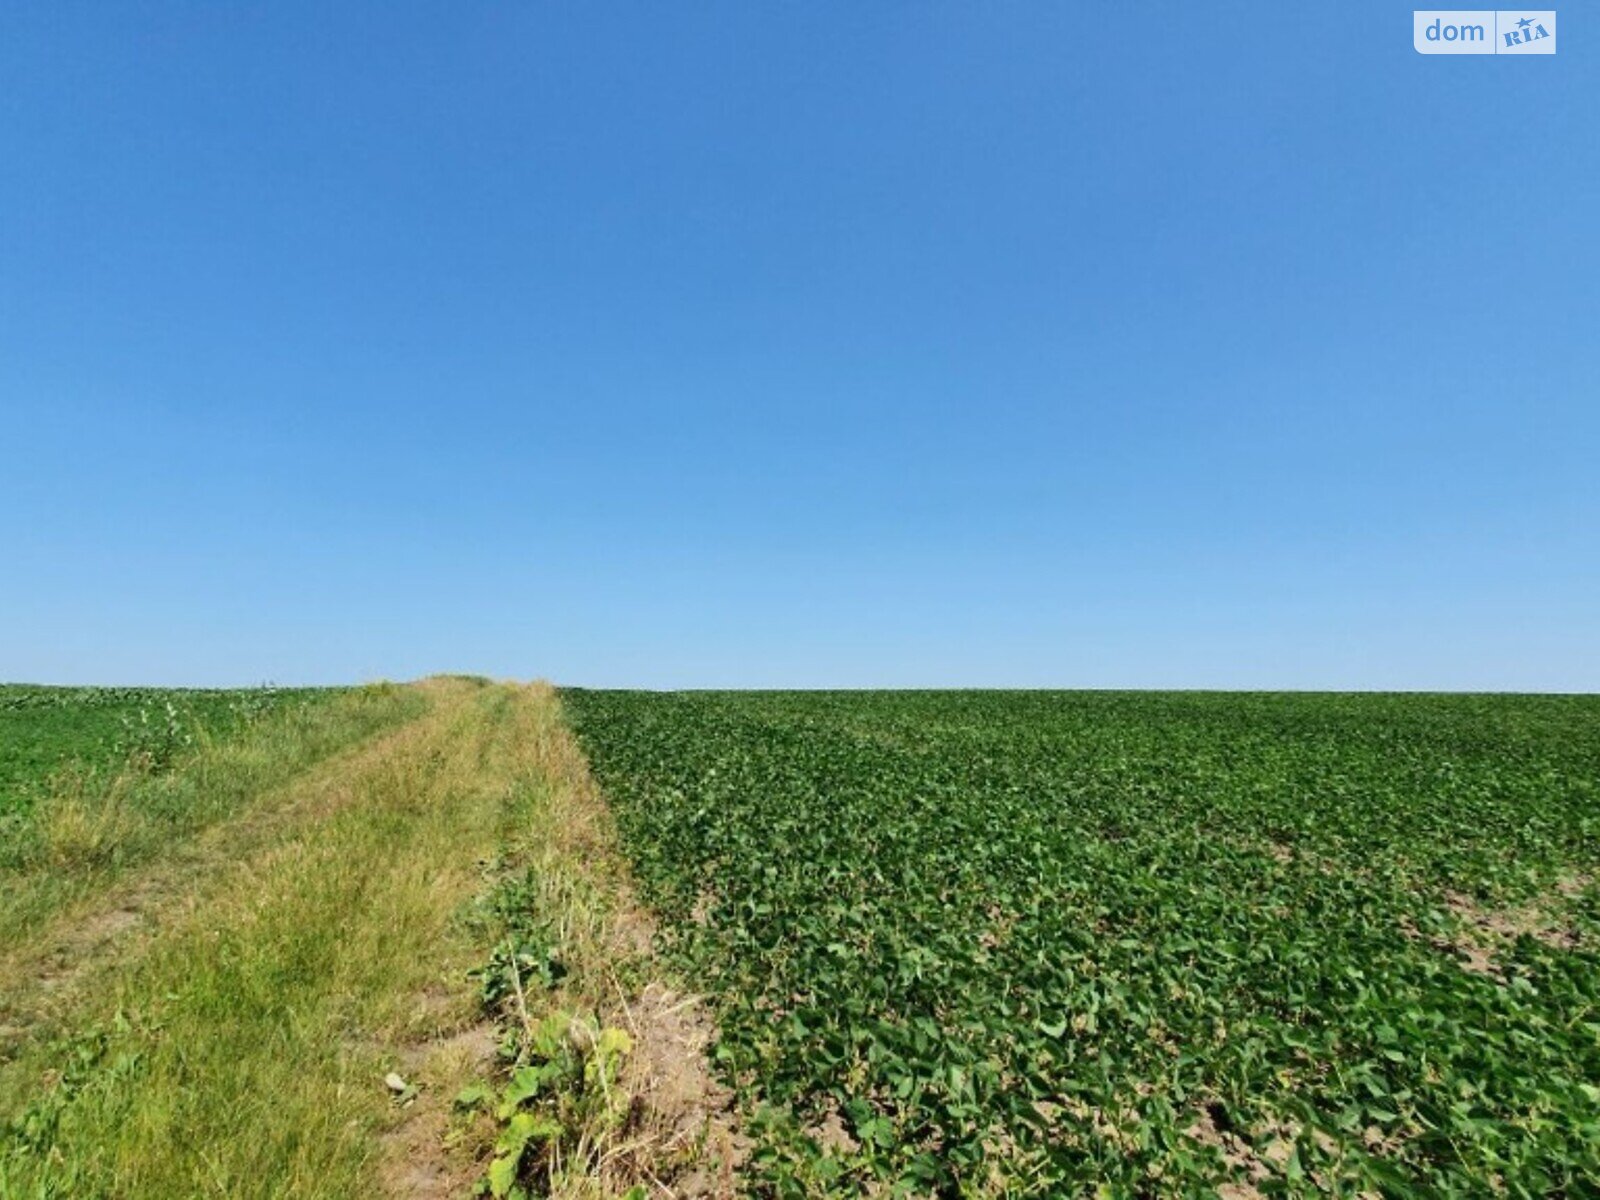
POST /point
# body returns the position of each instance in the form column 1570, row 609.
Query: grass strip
column 600, row 1086
column 95, row 825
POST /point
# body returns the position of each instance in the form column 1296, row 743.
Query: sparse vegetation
column 600, row 1087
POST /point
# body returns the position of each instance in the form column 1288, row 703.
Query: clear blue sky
column 1219, row 345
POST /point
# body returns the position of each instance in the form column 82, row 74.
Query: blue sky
column 748, row 344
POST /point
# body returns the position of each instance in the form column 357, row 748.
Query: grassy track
column 238, row 1047
column 95, row 824
column 219, row 1019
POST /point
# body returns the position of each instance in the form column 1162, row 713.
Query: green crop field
column 92, row 779
column 1145, row 944
column 46, row 729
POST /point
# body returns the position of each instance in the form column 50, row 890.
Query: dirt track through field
column 264, row 981
column 281, row 1005
column 45, row 969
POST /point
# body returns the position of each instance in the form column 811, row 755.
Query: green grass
column 240, row 1048
column 110, row 803
column 45, row 730
column 1145, row 944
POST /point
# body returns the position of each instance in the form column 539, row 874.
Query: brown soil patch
column 831, row 1136
column 682, row 1133
column 1533, row 920
column 1573, row 885
column 1483, row 933
column 413, row 1165
column 467, row 1051
column 417, row 1162
column 634, row 932
column 1240, row 1156
column 1254, row 1165
column 89, row 939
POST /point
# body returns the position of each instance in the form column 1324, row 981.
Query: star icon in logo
column 1524, row 23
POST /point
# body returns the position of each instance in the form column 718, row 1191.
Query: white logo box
column 1484, row 31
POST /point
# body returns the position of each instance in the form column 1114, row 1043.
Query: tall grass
column 242, row 1052
column 93, row 825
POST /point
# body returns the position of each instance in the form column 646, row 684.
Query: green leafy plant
column 559, row 1095
column 1151, row 944
column 103, row 1058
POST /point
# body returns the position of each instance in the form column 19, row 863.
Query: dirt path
column 230, row 1014
column 233, row 1020
column 47, row 968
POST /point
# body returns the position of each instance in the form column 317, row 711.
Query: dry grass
column 665, row 1126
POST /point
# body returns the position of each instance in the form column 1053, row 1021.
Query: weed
column 562, row 1100
column 594, row 1093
